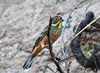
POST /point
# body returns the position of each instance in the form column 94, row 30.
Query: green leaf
column 89, row 54
column 87, row 48
column 93, row 44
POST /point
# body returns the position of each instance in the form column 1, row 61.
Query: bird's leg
column 46, row 66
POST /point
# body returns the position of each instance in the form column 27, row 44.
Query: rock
column 24, row 20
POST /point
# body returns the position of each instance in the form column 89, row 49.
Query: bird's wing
column 41, row 37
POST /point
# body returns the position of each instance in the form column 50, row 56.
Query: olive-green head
column 57, row 21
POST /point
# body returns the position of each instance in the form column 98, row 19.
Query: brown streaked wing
column 41, row 37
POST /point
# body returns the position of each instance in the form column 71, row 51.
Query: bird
column 42, row 40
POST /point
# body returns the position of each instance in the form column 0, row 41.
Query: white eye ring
column 56, row 19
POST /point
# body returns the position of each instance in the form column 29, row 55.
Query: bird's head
column 57, row 21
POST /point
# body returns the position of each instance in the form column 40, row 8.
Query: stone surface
column 21, row 22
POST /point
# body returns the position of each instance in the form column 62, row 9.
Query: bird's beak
column 62, row 20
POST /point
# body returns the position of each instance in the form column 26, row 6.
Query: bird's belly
column 44, row 43
column 53, row 38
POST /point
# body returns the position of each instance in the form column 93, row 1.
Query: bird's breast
column 54, row 37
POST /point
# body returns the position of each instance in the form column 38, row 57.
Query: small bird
column 42, row 41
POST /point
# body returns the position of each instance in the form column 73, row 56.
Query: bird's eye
column 56, row 19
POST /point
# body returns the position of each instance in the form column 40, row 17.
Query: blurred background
column 21, row 22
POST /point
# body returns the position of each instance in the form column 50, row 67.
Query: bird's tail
column 28, row 63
